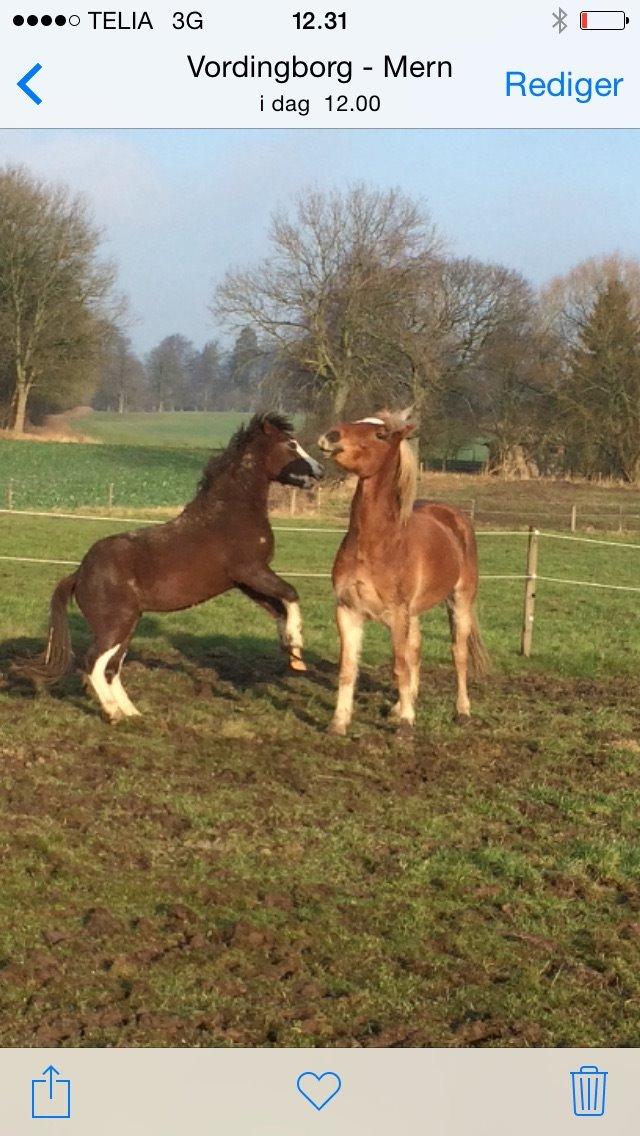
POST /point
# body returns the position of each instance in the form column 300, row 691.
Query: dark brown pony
column 221, row 540
column 400, row 557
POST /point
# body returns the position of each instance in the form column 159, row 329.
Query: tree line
column 175, row 375
column 357, row 304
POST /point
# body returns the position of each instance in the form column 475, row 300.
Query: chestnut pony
column 399, row 558
column 221, row 540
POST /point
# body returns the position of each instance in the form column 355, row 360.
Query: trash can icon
column 589, row 1088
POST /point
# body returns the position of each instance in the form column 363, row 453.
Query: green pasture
column 578, row 631
column 52, row 475
column 221, row 872
column 195, row 429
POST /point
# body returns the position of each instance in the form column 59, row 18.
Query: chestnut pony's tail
column 57, row 657
column 479, row 659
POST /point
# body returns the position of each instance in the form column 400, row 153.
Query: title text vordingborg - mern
column 284, row 70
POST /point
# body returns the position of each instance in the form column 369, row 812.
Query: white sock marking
column 99, row 683
column 121, row 696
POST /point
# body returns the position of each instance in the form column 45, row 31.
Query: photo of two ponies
column 320, row 466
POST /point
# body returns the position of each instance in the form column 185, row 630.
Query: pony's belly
column 180, row 589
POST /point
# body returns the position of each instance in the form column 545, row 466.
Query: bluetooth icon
column 560, row 21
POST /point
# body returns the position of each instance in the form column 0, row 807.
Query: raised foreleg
column 281, row 600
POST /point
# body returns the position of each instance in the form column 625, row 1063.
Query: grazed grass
column 223, row 873
column 175, row 430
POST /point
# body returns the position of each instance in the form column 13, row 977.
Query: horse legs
column 350, row 625
column 460, row 612
column 405, row 638
column 289, row 623
column 277, row 597
column 103, row 664
column 413, row 651
column 113, row 676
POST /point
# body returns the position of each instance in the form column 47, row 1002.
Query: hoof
column 337, row 730
column 297, row 665
column 405, row 728
column 394, row 711
column 462, row 719
column 113, row 719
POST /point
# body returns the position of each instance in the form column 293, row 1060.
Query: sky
column 178, row 208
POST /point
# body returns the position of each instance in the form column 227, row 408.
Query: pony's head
column 285, row 459
column 364, row 446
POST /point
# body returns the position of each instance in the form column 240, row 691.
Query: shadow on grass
column 227, row 666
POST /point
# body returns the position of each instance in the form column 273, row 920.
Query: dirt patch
column 56, row 428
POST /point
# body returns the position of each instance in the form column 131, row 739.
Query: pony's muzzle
column 329, row 443
column 317, row 471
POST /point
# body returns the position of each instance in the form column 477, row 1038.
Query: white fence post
column 574, row 517
column 529, row 609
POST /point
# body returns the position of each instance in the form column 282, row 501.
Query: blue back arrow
column 26, row 79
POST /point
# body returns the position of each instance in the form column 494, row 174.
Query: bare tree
column 121, row 375
column 336, row 293
column 54, row 292
column 170, row 371
column 567, row 301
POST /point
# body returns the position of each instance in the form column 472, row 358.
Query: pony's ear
column 268, row 427
column 406, row 428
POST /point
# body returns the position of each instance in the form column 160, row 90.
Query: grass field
column 184, row 429
column 52, row 475
column 221, row 872
column 155, row 460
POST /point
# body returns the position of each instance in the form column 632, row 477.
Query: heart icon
column 319, row 1088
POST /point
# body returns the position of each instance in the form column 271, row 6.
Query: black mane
column 242, row 438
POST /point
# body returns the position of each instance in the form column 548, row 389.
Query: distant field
column 52, row 475
column 191, row 429
column 155, row 460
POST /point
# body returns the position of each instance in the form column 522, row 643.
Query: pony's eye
column 293, row 446
column 382, row 435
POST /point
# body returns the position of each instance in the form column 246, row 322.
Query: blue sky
column 179, row 207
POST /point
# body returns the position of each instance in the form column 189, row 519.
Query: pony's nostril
column 333, row 436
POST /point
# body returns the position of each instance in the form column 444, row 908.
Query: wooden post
column 318, row 499
column 292, row 505
column 10, row 494
column 472, row 510
column 620, row 523
column 110, row 495
column 530, row 593
column 574, row 517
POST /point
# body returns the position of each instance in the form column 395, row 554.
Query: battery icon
column 603, row 21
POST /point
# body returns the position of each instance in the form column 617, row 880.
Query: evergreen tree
column 601, row 397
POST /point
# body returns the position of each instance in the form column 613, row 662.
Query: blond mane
column 407, row 470
column 406, row 480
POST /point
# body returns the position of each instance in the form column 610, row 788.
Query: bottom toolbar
column 337, row 1092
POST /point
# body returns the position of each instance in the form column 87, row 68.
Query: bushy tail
column 55, row 661
column 479, row 659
